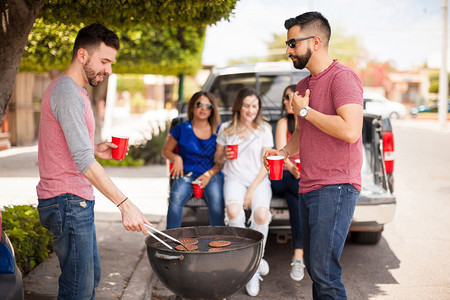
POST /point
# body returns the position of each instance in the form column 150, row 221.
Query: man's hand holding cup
column 271, row 152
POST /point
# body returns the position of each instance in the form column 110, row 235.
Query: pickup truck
column 376, row 204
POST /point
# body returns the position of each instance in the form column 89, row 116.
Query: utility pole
column 443, row 76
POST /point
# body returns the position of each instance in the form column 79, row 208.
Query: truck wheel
column 366, row 237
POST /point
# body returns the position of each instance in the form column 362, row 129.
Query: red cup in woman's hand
column 297, row 163
column 234, row 150
column 198, row 189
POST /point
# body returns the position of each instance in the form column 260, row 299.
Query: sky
column 407, row 33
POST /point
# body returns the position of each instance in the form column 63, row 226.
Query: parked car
column 11, row 287
column 428, row 108
column 378, row 105
column 376, row 204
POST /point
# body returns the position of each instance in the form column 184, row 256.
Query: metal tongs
column 166, row 235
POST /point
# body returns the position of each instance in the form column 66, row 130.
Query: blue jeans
column 71, row 221
column 288, row 188
column 325, row 218
column 182, row 191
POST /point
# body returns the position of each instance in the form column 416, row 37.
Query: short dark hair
column 91, row 36
column 313, row 22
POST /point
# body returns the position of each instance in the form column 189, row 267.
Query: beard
column 301, row 61
column 91, row 75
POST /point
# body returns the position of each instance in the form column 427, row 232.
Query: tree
column 376, row 74
column 144, row 49
column 434, row 82
column 181, row 19
column 346, row 49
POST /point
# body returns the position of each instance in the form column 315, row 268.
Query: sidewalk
column 126, row 271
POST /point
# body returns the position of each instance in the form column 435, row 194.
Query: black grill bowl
column 206, row 275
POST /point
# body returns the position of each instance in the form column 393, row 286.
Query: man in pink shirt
column 329, row 106
column 68, row 168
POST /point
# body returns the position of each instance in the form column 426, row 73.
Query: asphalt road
column 411, row 261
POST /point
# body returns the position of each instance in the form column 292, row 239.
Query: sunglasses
column 293, row 42
column 207, row 105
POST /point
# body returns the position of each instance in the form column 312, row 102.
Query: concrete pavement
column 126, row 272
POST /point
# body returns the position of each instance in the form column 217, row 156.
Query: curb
column 139, row 286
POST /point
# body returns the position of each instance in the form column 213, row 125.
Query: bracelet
column 122, row 202
column 285, row 151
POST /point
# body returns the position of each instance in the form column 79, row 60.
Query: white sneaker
column 252, row 286
column 263, row 268
column 297, row 272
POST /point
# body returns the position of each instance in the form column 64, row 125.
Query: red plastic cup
column 122, row 146
column 170, row 167
column 233, row 148
column 276, row 166
column 198, row 190
column 297, row 162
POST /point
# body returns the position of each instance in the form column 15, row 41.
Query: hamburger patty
column 188, row 241
column 219, row 244
column 190, row 247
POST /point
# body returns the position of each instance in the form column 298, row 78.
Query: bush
column 128, row 161
column 32, row 243
column 144, row 152
column 150, row 150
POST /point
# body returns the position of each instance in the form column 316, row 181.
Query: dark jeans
column 288, row 188
column 71, row 221
column 182, row 191
column 326, row 214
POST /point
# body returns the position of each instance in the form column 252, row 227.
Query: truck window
column 269, row 86
column 225, row 88
column 271, row 89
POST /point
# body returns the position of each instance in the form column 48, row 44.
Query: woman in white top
column 246, row 184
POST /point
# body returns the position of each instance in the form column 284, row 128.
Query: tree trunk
column 16, row 23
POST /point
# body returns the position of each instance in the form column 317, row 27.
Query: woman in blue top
column 191, row 146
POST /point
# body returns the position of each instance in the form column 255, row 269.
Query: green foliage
column 49, row 46
column 346, row 49
column 130, row 82
column 144, row 49
column 129, row 13
column 128, row 161
column 32, row 243
column 434, row 76
column 277, row 48
column 434, row 87
column 157, row 37
column 434, row 82
column 166, row 51
column 145, row 152
column 150, row 150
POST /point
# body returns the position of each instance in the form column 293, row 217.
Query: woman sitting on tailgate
column 195, row 141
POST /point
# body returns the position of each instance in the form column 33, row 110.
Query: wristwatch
column 304, row 111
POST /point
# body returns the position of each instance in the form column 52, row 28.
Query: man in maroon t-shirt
column 329, row 106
